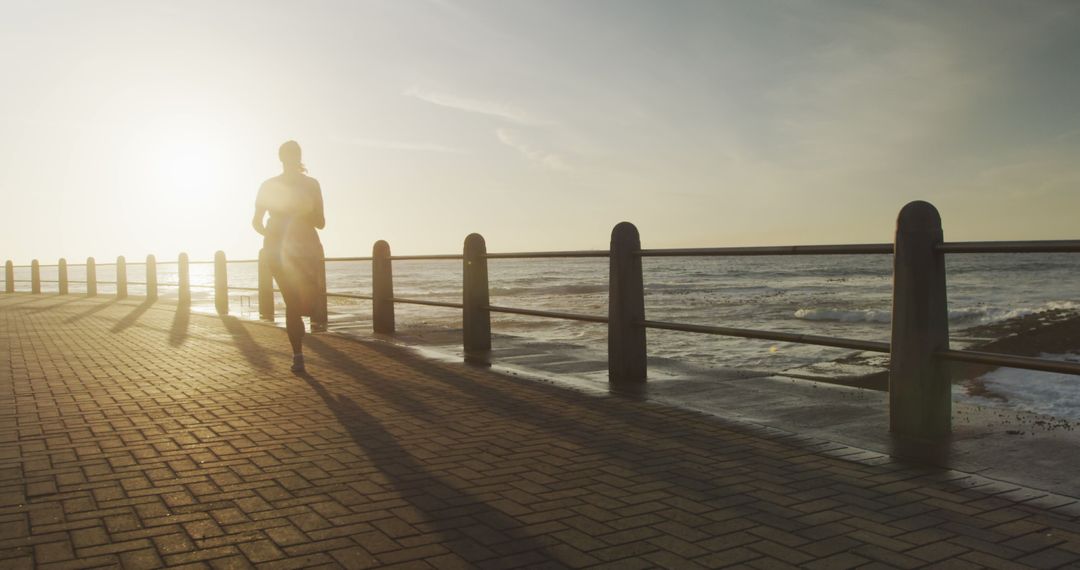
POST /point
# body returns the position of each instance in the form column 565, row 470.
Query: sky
column 136, row 127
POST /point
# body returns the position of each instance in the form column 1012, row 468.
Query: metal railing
column 919, row 384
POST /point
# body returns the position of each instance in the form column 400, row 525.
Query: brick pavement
column 139, row 436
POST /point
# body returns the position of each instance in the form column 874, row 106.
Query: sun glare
column 186, row 161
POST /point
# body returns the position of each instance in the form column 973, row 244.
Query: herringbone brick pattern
column 141, row 437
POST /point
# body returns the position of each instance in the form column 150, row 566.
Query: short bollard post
column 91, row 277
column 62, row 276
column 319, row 313
column 121, row 278
column 266, row 287
column 627, row 364
column 221, row 284
column 183, row 281
column 35, row 277
column 382, row 288
column 475, row 315
column 9, row 277
column 920, row 391
column 151, row 278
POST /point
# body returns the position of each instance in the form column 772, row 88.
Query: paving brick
column 185, row 441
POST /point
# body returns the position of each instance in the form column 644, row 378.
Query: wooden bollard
column 475, row 315
column 221, row 284
column 627, row 359
column 382, row 288
column 35, row 277
column 151, row 278
column 319, row 314
column 920, row 391
column 183, row 280
column 9, row 277
column 121, row 278
column 91, row 277
column 62, row 276
column 266, row 287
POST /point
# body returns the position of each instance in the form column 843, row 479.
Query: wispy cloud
column 489, row 108
column 542, row 158
column 407, row 146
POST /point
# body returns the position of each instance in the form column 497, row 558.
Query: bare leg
column 294, row 326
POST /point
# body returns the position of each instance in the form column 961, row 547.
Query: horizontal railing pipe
column 549, row 314
column 854, row 249
column 1011, row 361
column 447, row 256
column 348, row 296
column 428, row 303
column 1044, row 246
column 336, row 259
column 549, row 254
column 799, row 338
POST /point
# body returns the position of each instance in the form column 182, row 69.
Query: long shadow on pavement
column 462, row 519
column 54, row 305
column 645, row 444
column 386, row 389
column 244, row 342
column 133, row 316
column 93, row 310
column 8, row 300
column 179, row 331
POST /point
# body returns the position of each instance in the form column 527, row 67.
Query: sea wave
column 567, row 289
column 958, row 315
column 844, row 315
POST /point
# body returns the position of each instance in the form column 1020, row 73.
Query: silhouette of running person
column 294, row 201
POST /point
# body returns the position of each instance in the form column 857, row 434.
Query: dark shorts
column 301, row 279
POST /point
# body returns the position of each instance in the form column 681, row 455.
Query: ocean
column 835, row 295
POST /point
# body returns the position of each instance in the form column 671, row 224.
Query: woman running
column 294, row 201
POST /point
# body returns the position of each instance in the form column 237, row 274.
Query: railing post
column 183, row 281
column 151, row 278
column 627, row 364
column 266, row 287
column 319, row 313
column 62, row 276
column 35, row 277
column 920, row 391
column 91, row 277
column 382, row 288
column 121, row 278
column 9, row 277
column 475, row 316
column 221, row 284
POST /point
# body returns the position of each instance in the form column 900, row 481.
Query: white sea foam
column 844, row 316
column 1044, row 393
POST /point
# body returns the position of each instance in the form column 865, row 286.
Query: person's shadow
column 431, row 495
